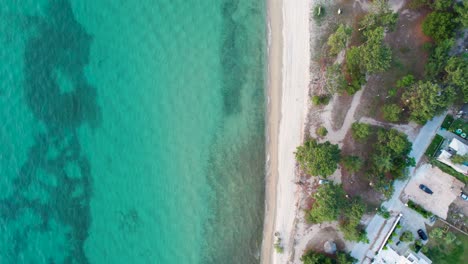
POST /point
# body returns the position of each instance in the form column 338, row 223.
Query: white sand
column 294, row 98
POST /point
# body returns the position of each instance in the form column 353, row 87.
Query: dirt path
column 337, row 136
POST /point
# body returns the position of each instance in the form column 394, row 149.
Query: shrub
column 460, row 159
column 318, row 159
column 278, row 247
column 337, row 41
column 407, row 236
column 320, row 99
column 384, row 213
column 447, row 122
column 434, row 146
column 321, row 131
column 419, row 209
column 406, row 81
column 391, row 112
column 360, row 130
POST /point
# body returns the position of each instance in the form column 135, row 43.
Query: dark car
column 425, row 189
column 422, row 235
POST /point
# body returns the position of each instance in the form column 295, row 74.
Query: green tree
column 383, row 162
column 391, row 112
column 337, row 41
column 350, row 224
column 318, row 159
column 321, row 131
column 438, row 59
column 380, row 15
column 354, row 69
column 343, row 258
column 352, row 163
column 312, row 257
column 439, row 26
column 360, row 130
column 462, row 13
column 328, row 203
column 426, row 99
column 457, row 75
column 407, row 236
column 376, row 56
column 394, row 142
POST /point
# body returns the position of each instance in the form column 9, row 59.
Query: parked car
column 464, row 196
column 422, row 235
column 425, row 189
column 324, row 181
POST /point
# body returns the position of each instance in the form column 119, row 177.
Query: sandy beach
column 288, row 71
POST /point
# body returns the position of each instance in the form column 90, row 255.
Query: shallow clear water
column 131, row 133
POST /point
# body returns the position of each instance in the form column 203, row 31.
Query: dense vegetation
column 331, row 203
column 446, row 247
column 337, row 41
column 312, row 257
column 427, row 99
column 318, row 159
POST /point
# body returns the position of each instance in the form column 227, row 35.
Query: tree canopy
column 318, row 159
column 360, row 130
column 337, row 41
column 313, row 257
column 427, row 99
column 328, row 203
column 391, row 112
column 376, row 56
column 352, row 163
column 351, row 219
column 457, row 75
column 389, row 159
column 439, row 26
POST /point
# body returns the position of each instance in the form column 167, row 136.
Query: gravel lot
column 445, row 187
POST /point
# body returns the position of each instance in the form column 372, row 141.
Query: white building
column 455, row 147
column 390, row 256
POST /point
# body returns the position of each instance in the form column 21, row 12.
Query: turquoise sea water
column 132, row 131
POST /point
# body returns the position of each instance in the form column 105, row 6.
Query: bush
column 360, row 130
column 321, row 131
column 439, row 26
column 406, row 81
column 447, row 122
column 384, row 212
column 434, row 146
column 352, row 163
column 407, row 236
column 419, row 209
column 318, row 159
column 337, row 41
column 449, row 170
column 278, row 247
column 320, row 100
column 391, row 112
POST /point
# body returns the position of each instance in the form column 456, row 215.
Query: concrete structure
column 455, row 146
column 390, row 256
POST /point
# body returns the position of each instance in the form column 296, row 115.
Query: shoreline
column 274, row 73
column 288, row 87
